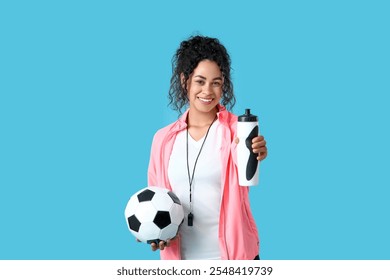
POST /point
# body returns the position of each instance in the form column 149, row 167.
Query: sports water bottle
column 247, row 129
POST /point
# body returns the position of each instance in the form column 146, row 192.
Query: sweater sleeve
column 233, row 147
column 152, row 168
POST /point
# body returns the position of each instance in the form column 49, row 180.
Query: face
column 204, row 87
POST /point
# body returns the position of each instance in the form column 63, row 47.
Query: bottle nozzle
column 247, row 117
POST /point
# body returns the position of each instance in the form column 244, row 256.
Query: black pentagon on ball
column 162, row 219
column 174, row 198
column 134, row 224
column 145, row 195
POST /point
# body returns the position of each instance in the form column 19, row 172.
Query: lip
column 205, row 101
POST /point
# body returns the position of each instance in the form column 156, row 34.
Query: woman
column 195, row 157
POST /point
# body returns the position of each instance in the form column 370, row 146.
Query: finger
column 258, row 145
column 262, row 156
column 236, row 140
column 258, row 138
column 161, row 245
column 260, row 150
column 153, row 245
column 168, row 243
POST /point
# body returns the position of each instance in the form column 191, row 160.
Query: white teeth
column 205, row 100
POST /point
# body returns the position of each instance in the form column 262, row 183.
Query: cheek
column 219, row 93
column 193, row 90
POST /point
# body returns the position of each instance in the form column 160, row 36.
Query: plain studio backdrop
column 83, row 88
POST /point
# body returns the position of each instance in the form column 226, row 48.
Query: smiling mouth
column 206, row 100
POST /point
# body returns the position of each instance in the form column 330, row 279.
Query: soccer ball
column 154, row 214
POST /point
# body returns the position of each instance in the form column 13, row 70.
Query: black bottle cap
column 247, row 117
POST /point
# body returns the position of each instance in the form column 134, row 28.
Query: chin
column 208, row 109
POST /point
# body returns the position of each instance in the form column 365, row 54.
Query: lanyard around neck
column 191, row 177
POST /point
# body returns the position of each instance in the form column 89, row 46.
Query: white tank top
column 199, row 241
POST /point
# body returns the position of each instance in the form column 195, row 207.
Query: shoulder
column 232, row 118
column 162, row 132
column 173, row 127
column 165, row 131
column 228, row 119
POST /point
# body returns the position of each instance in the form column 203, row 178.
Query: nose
column 208, row 88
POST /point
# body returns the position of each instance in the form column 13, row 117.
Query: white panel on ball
column 148, row 231
column 145, row 211
column 162, row 202
column 168, row 232
column 177, row 214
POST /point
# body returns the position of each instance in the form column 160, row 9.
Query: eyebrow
column 200, row 76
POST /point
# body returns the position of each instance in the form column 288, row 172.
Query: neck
column 200, row 119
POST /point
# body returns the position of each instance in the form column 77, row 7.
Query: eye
column 217, row 83
column 200, row 82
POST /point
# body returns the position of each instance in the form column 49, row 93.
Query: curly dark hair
column 187, row 58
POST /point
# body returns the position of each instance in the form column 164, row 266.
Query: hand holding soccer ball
column 154, row 215
column 161, row 245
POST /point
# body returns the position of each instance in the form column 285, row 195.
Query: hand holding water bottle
column 251, row 148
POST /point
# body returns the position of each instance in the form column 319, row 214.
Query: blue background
column 83, row 88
